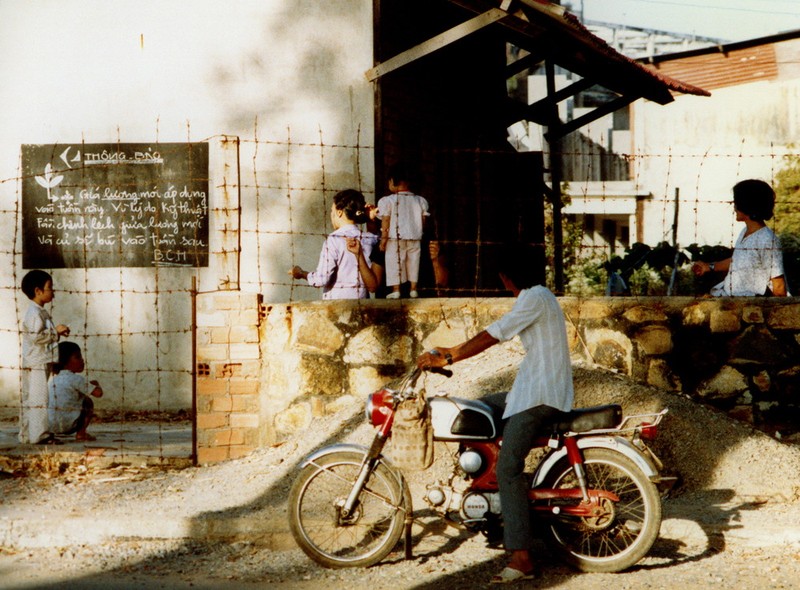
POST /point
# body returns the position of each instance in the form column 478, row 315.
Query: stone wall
column 267, row 372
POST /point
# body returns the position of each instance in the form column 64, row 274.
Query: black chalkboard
column 115, row 205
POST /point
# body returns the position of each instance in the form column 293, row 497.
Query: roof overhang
column 551, row 35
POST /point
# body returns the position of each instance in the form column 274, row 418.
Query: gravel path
column 734, row 524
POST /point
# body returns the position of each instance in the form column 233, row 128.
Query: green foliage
column 790, row 245
column 787, row 196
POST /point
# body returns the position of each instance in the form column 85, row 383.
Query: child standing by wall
column 39, row 336
column 71, row 409
column 402, row 217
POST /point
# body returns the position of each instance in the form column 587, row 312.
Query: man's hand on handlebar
column 434, row 359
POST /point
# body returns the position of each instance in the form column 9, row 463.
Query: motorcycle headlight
column 378, row 405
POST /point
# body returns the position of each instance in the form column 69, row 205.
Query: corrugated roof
column 718, row 70
column 726, row 65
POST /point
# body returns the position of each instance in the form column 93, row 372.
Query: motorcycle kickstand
column 409, row 521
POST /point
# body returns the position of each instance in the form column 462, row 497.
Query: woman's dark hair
column 66, row 350
column 353, row 203
column 35, row 279
column 754, row 198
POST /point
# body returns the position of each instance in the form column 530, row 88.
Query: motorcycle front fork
column 367, row 465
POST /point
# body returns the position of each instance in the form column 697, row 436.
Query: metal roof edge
column 723, row 47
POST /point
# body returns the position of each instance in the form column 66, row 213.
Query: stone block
column 276, row 330
column 243, row 387
column 660, row 375
column 227, row 436
column 245, row 317
column 447, row 333
column 762, row 381
column 206, row 455
column 727, row 383
column 641, row 314
column 785, row 317
column 365, row 380
column 322, row 376
column 594, row 310
column 724, row 320
column 244, row 352
column 316, row 333
column 213, row 352
column 611, row 349
column 752, row 314
column 212, row 319
column 234, row 334
column 379, row 345
column 212, row 387
column 697, row 314
column 654, row 340
column 757, row 345
column 252, row 420
column 208, row 420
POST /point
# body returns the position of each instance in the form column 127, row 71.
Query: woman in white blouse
column 756, row 266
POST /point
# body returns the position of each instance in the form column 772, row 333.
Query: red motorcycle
column 594, row 492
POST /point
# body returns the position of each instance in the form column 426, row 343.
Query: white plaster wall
column 174, row 71
column 705, row 145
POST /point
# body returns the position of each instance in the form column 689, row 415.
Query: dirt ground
column 732, row 522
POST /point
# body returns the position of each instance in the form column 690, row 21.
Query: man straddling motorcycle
column 542, row 390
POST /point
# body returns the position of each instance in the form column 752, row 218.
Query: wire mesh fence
column 269, row 209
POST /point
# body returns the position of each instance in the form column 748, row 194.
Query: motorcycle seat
column 585, row 419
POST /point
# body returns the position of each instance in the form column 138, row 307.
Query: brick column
column 228, row 375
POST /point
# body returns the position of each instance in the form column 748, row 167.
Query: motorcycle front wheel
column 627, row 529
column 334, row 539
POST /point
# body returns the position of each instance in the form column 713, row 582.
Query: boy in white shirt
column 39, row 336
column 402, row 217
column 70, row 408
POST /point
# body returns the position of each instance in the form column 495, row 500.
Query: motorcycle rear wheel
column 624, row 536
column 361, row 539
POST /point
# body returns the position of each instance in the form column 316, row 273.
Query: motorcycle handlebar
column 441, row 371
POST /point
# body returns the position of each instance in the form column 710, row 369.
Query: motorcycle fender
column 325, row 451
column 352, row 448
column 348, row 447
column 621, row 445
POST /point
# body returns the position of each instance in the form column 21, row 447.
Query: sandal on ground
column 510, row 575
column 50, row 440
column 85, row 438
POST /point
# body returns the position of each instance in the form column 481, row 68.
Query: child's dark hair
column 34, row 279
column 66, row 350
column 353, row 203
column 754, row 198
column 399, row 172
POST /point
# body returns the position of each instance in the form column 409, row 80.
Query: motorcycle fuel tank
column 462, row 419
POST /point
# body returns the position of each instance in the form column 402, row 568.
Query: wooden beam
column 539, row 111
column 600, row 111
column 435, row 43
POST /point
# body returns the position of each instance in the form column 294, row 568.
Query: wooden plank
column 435, row 43
column 570, row 126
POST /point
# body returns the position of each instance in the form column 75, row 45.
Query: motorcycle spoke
column 357, row 538
column 619, row 529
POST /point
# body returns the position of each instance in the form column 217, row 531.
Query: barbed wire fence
column 134, row 324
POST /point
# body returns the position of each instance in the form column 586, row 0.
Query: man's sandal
column 510, row 575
